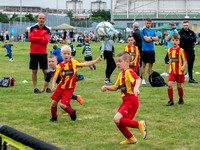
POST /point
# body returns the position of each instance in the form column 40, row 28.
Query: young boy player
column 67, row 70
column 178, row 61
column 129, row 84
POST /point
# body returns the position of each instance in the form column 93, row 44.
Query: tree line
column 98, row 16
column 27, row 18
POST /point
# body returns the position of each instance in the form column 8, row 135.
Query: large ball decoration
column 105, row 31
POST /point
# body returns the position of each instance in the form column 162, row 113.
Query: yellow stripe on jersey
column 130, row 78
column 67, row 81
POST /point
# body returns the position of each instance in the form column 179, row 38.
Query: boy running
column 87, row 52
column 129, row 84
column 9, row 51
column 67, row 70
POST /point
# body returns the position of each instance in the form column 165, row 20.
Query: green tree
column 70, row 14
column 105, row 15
column 3, row 18
column 30, row 17
column 14, row 18
column 96, row 19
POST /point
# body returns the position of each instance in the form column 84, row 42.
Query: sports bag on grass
column 7, row 81
column 156, row 80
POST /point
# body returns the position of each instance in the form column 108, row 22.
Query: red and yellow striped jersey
column 67, row 72
column 126, row 82
column 133, row 50
column 176, row 57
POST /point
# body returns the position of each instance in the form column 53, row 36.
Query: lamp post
column 57, row 12
column 111, row 13
column 20, row 16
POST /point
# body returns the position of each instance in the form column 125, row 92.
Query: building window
column 153, row 25
column 130, row 25
column 160, row 24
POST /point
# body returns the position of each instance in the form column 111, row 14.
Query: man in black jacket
column 138, row 39
column 187, row 42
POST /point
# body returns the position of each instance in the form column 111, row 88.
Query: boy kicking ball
column 9, row 51
column 129, row 84
column 67, row 70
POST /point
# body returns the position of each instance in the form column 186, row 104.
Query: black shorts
column 148, row 56
column 88, row 58
column 35, row 58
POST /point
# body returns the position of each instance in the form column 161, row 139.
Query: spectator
column 159, row 35
column 39, row 37
column 120, row 36
column 1, row 36
column 169, row 45
column 26, row 36
column 107, row 51
column 187, row 42
column 137, row 36
column 64, row 36
column 7, row 35
column 148, row 54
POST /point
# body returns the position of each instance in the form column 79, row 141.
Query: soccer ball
column 105, row 31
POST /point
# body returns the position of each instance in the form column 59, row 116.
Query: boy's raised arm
column 15, row 45
column 109, row 88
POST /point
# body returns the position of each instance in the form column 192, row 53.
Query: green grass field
column 175, row 127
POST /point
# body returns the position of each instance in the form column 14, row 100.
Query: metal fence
column 51, row 21
column 21, row 27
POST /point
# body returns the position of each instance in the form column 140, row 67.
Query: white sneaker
column 143, row 82
column 164, row 75
column 108, row 82
column 187, row 77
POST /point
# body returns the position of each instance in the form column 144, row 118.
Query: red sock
column 94, row 67
column 125, row 131
column 170, row 94
column 180, row 93
column 68, row 110
column 54, row 112
column 128, row 123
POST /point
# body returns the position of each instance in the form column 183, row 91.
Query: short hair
column 175, row 36
column 52, row 56
column 55, row 46
column 66, row 48
column 172, row 23
column 136, row 25
column 87, row 40
column 148, row 19
column 125, row 55
column 130, row 37
column 185, row 21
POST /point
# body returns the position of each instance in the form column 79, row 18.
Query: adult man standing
column 187, row 42
column 148, row 54
column 39, row 37
column 137, row 37
column 169, row 45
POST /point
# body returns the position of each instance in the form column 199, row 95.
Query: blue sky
column 47, row 3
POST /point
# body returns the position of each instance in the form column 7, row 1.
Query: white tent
column 128, row 29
